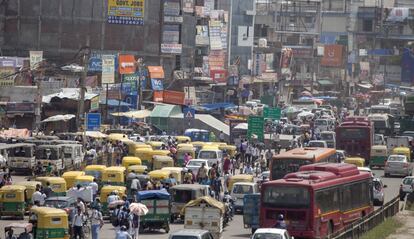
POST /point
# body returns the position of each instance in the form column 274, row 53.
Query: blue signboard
column 95, row 63
column 93, row 121
column 189, row 113
column 157, row 84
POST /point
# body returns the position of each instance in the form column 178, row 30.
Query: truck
column 251, row 211
column 205, row 213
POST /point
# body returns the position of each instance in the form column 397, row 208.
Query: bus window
column 328, row 200
column 286, row 197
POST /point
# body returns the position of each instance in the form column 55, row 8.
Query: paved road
column 235, row 229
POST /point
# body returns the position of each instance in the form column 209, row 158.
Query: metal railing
column 363, row 225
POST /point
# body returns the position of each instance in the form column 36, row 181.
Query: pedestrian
column 268, row 157
column 135, row 186
column 77, row 223
column 248, row 155
column 222, row 136
column 81, row 205
column 113, row 197
column 248, row 169
column 212, row 174
column 47, row 190
column 38, row 196
column 226, row 163
column 189, row 177
column 96, row 222
column 123, row 233
column 226, row 180
column 187, row 158
column 218, row 188
column 202, row 174
column 95, row 187
column 134, row 229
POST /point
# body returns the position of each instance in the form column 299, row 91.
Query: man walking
column 77, row 223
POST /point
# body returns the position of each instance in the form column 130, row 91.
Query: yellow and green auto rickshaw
column 51, row 223
column 145, row 154
column 379, row 155
column 130, row 160
column 402, row 151
column 70, row 177
column 84, row 180
column 157, row 177
column 240, row 178
column 114, row 175
column 95, row 171
column 177, row 172
column 159, row 162
column 190, row 150
column 57, row 184
column 106, row 191
column 182, row 139
column 30, row 189
column 138, row 169
column 13, row 201
column 357, row 161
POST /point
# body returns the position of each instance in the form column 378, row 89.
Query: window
column 355, row 195
column 286, row 197
column 367, row 25
column 328, row 200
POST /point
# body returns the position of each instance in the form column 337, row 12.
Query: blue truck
column 251, row 211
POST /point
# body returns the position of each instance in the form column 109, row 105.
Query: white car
column 191, row 234
column 318, row 144
column 407, row 186
column 195, row 164
column 271, row 233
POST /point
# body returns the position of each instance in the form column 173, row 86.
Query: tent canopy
column 165, row 111
column 59, row 118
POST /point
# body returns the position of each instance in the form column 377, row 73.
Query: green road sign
column 273, row 113
column 255, row 127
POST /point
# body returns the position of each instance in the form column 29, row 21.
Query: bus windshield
column 281, row 167
column 286, row 197
column 49, row 154
column 353, row 133
column 207, row 155
column 380, row 124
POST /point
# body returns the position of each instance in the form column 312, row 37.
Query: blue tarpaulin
column 216, row 106
column 153, row 194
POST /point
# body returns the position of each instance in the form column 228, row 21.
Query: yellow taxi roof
column 115, row 169
column 130, row 158
column 159, row 173
column 49, row 211
column 401, row 149
column 142, row 146
column 29, row 183
column 242, row 176
column 13, row 187
column 161, row 152
column 175, row 169
column 143, row 149
column 95, row 167
column 56, row 180
column 155, row 143
column 137, row 167
column 85, row 178
column 182, row 137
column 73, row 173
column 198, row 143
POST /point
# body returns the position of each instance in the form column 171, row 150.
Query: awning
column 156, row 72
column 59, row 118
column 137, row 114
column 325, row 82
column 165, row 111
column 365, row 86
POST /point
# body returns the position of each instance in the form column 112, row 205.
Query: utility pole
column 81, row 102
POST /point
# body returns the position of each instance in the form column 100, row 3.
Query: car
column 317, row 144
column 195, row 164
column 66, row 203
column 408, row 133
column 271, row 233
column 378, row 192
column 397, row 165
column 407, row 186
column 191, row 234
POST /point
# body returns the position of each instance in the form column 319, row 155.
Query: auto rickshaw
column 84, row 180
column 158, row 202
column 184, row 193
column 70, row 177
column 159, row 162
column 158, row 176
column 106, row 191
column 114, row 175
column 357, row 161
column 13, row 201
column 18, row 229
column 177, row 172
column 184, row 145
column 230, row 149
column 145, row 155
column 57, row 184
column 181, row 153
column 130, row 160
column 139, row 146
column 51, row 223
column 198, row 145
column 161, row 152
column 95, row 171
column 155, row 145
column 30, row 189
column 182, row 139
column 402, row 151
column 138, row 169
column 240, row 178
column 379, row 155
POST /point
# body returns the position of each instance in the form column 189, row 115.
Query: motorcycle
column 229, row 206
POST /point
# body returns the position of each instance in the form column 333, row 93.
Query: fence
column 358, row 228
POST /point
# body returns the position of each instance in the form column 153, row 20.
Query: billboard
column 126, row 64
column 35, row 58
column 6, row 76
column 108, row 69
column 126, row 12
column 333, row 56
column 173, row 97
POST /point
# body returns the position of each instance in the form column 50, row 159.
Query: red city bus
column 318, row 200
column 355, row 135
column 290, row 161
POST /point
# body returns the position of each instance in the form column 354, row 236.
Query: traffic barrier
column 363, row 225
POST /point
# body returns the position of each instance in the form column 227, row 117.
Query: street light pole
column 81, row 102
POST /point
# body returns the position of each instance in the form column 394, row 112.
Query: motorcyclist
column 228, row 201
column 280, row 223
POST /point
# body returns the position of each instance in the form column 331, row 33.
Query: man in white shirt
column 77, row 223
column 94, row 185
column 113, row 197
column 96, row 222
column 38, row 196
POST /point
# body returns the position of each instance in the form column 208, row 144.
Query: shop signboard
column 333, row 56
column 35, row 58
column 157, row 84
column 93, row 121
column 6, row 76
column 188, row 6
column 171, row 48
column 173, row 97
column 108, row 69
column 126, row 64
column 126, row 12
